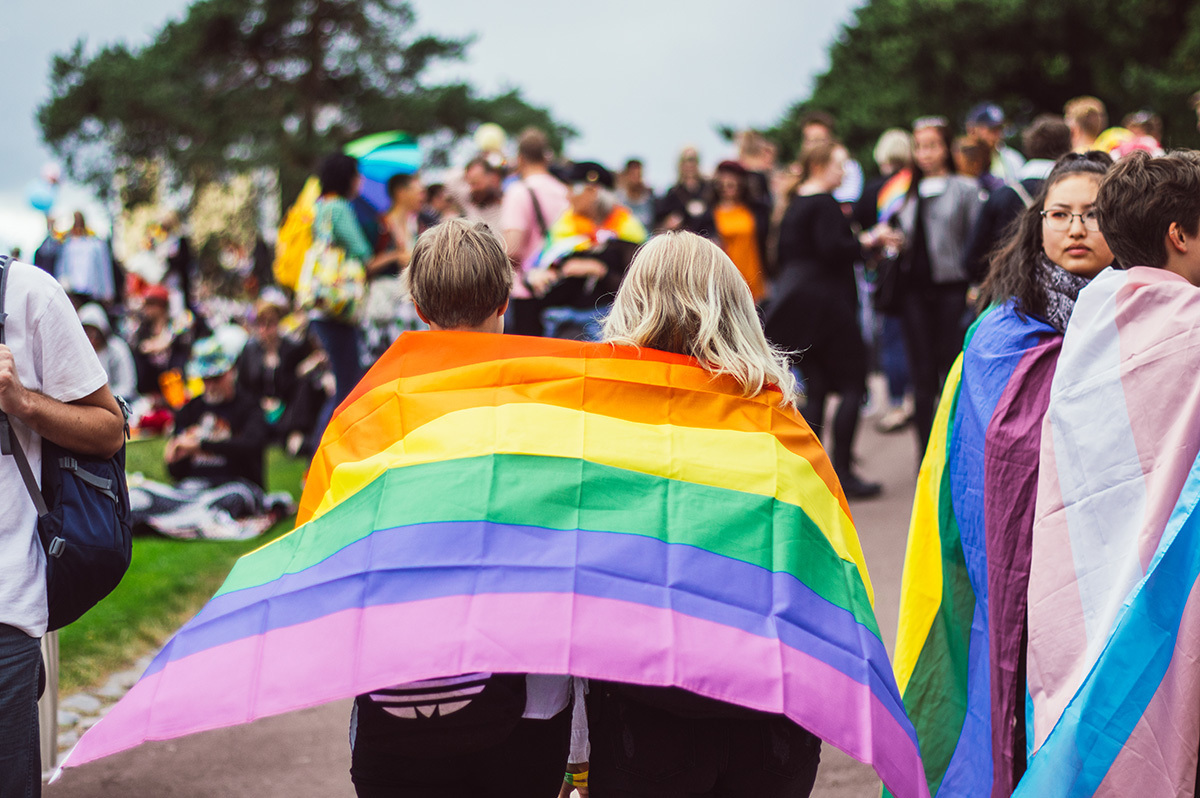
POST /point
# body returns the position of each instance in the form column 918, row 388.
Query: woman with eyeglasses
column 990, row 449
column 936, row 221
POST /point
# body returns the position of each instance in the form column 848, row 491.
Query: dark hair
column 632, row 162
column 817, row 117
column 1012, row 264
column 336, row 174
column 491, row 163
column 533, row 146
column 398, row 182
column 738, row 171
column 434, row 190
column 1141, row 197
column 943, row 128
column 1047, row 137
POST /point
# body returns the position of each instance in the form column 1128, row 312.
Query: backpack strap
column 8, row 442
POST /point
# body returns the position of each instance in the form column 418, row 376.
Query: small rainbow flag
column 892, row 195
column 962, row 610
column 487, row 503
column 1114, row 618
column 573, row 233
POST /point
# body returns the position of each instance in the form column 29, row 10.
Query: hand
column 584, row 267
column 14, row 397
column 673, row 221
column 888, row 237
column 540, row 280
column 182, row 446
column 566, row 790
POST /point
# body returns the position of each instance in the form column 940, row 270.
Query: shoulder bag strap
column 8, row 441
column 537, row 211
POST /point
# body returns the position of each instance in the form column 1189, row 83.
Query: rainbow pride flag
column 573, row 233
column 892, row 195
column 962, row 610
column 485, row 503
column 1114, row 610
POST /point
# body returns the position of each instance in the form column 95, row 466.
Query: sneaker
column 894, row 420
column 856, row 488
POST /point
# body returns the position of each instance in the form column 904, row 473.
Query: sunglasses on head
column 930, row 121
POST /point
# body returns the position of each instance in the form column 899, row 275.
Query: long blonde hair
column 683, row 294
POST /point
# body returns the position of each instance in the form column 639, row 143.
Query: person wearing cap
column 986, row 122
column 220, row 435
column 158, row 346
column 589, row 247
column 115, row 355
column 739, row 225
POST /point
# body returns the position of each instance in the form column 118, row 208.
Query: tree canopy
column 244, row 84
column 901, row 59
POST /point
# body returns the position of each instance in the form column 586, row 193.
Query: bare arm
column 92, row 425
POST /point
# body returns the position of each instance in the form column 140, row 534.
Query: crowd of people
column 950, row 250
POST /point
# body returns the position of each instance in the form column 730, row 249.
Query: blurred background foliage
column 901, row 59
column 238, row 85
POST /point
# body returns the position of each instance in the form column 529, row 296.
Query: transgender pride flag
column 1114, row 618
column 485, row 503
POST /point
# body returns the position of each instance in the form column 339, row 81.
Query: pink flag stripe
column 611, row 640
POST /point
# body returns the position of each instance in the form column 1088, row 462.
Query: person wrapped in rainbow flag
column 960, row 658
column 587, row 251
column 648, row 511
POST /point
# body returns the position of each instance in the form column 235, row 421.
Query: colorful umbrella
column 381, row 156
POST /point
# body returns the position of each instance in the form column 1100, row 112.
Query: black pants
column 643, row 751
column 932, row 318
column 820, row 327
column 529, row 763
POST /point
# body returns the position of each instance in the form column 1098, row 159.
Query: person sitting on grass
column 514, row 730
column 220, row 435
column 217, row 456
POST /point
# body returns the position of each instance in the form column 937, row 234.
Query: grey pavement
column 307, row 753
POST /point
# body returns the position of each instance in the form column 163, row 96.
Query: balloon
column 41, row 195
column 52, row 173
column 490, row 137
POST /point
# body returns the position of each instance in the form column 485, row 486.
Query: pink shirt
column 516, row 213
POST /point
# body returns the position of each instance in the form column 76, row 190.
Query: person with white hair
column 584, row 261
column 115, row 355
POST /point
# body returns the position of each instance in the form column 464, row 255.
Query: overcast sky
column 634, row 77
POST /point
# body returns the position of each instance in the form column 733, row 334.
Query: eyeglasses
column 1060, row 221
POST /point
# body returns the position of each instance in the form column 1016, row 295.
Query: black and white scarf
column 1062, row 289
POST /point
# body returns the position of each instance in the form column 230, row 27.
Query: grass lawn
column 167, row 583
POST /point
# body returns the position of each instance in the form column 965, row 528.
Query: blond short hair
column 894, row 148
column 459, row 274
column 1087, row 113
column 683, row 294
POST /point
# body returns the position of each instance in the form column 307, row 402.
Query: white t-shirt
column 54, row 357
